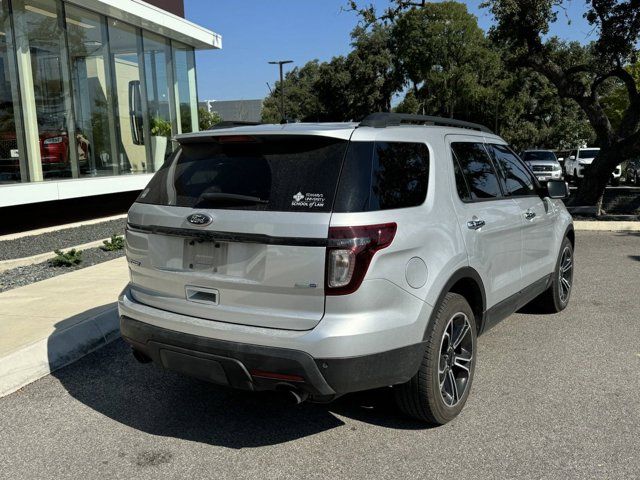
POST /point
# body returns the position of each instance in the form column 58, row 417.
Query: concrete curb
column 43, row 257
column 605, row 226
column 39, row 231
column 39, row 359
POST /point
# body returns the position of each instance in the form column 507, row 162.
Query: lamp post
column 280, row 63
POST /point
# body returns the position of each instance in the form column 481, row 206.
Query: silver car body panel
column 259, row 301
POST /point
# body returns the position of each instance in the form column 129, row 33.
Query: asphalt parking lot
column 554, row 397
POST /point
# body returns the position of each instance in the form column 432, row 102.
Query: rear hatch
column 234, row 228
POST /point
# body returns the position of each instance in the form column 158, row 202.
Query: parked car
column 579, row 161
column 543, row 163
column 54, row 153
column 323, row 259
column 632, row 172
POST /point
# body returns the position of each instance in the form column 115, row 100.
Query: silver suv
column 322, row 259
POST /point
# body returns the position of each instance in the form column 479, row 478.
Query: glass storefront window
column 82, row 94
column 184, row 66
column 132, row 156
column 46, row 47
column 89, row 80
column 156, row 54
column 12, row 151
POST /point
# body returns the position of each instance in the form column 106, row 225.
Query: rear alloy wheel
column 556, row 297
column 439, row 390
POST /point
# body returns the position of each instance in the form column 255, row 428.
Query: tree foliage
column 346, row 88
column 584, row 75
column 534, row 90
column 207, row 119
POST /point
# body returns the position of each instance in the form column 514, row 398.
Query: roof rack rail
column 233, row 123
column 388, row 119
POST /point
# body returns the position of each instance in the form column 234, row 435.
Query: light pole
column 280, row 63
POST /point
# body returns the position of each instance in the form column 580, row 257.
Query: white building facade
column 91, row 92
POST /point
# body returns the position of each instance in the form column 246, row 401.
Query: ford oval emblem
column 199, row 219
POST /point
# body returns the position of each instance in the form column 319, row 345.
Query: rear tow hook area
column 141, row 357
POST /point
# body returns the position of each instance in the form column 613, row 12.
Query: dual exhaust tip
column 293, row 395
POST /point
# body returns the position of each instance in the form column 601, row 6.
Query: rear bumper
column 242, row 366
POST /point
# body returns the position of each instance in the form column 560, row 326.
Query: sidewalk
column 49, row 324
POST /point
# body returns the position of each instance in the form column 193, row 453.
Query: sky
column 257, row 31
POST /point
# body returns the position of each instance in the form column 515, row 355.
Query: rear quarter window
column 383, row 176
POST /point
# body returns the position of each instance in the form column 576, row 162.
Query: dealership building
column 91, row 92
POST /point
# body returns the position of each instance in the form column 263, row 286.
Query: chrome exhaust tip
column 294, row 395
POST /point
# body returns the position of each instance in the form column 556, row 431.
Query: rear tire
column 557, row 296
column 439, row 390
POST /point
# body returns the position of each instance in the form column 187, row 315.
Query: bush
column 116, row 243
column 160, row 127
column 207, row 119
column 66, row 259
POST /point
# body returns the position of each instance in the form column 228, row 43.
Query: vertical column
column 176, row 89
column 172, row 83
column 14, row 81
column 28, row 101
column 112, row 99
column 193, row 89
column 66, row 85
column 145, row 102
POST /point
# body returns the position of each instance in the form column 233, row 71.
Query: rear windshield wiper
column 231, row 199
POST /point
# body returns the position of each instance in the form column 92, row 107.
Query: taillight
column 349, row 254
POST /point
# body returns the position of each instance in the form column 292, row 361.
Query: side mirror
column 560, row 159
column 557, row 189
column 135, row 112
column 572, row 157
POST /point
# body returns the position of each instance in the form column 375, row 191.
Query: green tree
column 301, row 102
column 346, row 88
column 207, row 119
column 446, row 60
column 584, row 75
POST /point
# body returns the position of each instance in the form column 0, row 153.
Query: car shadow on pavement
column 147, row 398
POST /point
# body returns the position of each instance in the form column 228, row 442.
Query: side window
column 383, row 176
column 517, row 179
column 478, row 170
column 399, row 175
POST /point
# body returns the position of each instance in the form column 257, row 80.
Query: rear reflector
column 276, row 376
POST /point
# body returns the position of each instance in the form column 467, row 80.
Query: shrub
column 160, row 127
column 66, row 259
column 116, row 243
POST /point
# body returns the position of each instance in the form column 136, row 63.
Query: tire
column 427, row 396
column 554, row 300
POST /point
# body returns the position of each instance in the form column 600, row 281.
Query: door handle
column 475, row 224
column 529, row 214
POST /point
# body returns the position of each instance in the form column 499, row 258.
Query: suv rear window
column 281, row 172
column 383, row 176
